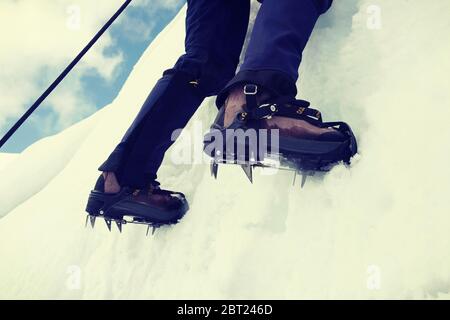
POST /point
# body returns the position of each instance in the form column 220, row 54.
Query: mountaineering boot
column 281, row 127
column 134, row 162
column 152, row 205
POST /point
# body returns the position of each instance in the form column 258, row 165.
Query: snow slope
column 377, row 230
column 6, row 158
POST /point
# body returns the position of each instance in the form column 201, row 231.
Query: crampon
column 249, row 143
column 153, row 207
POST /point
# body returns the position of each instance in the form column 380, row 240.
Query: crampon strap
column 283, row 107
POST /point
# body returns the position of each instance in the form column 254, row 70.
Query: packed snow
column 379, row 229
column 6, row 158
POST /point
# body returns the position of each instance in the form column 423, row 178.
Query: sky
column 41, row 37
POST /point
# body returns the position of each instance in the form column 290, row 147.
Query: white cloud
column 139, row 28
column 39, row 38
column 153, row 4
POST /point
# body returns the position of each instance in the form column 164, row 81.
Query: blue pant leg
column 215, row 34
column 281, row 32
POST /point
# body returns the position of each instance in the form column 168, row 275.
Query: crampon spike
column 295, row 176
column 153, row 229
column 108, row 224
column 87, row 220
column 119, row 225
column 248, row 171
column 214, row 169
column 304, row 177
column 92, row 219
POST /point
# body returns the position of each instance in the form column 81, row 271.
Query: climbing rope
column 65, row 72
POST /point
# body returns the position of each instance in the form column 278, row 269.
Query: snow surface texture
column 6, row 158
column 377, row 230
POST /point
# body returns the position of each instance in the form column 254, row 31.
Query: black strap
column 281, row 106
column 302, row 112
column 250, row 91
column 63, row 74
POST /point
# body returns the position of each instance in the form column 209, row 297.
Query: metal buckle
column 243, row 116
column 248, row 92
column 194, row 83
column 301, row 110
column 272, row 108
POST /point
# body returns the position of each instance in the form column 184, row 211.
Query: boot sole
column 111, row 207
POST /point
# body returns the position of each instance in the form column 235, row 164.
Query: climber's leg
column 215, row 32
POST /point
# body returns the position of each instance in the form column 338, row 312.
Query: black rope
column 63, row 74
